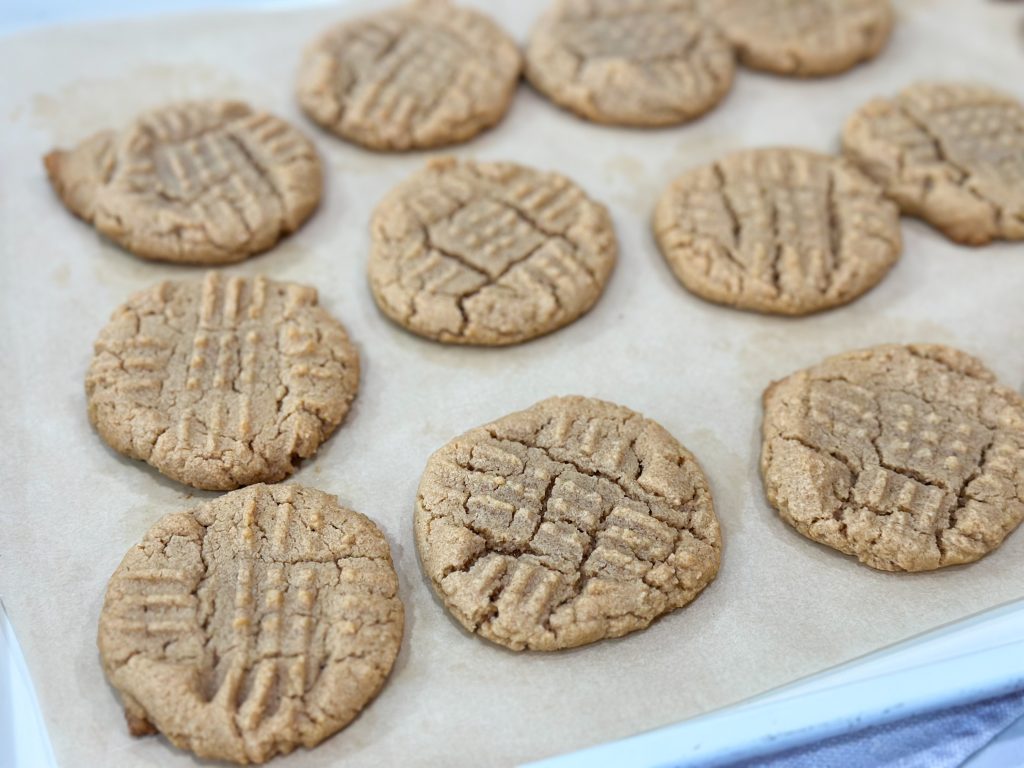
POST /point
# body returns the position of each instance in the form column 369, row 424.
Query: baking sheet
column 782, row 606
column 956, row 666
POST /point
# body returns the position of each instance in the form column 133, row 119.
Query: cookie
column 205, row 182
column 569, row 522
column 630, row 62
column 949, row 153
column 221, row 382
column 488, row 253
column 252, row 624
column 421, row 75
column 785, row 231
column 910, row 457
column 804, row 37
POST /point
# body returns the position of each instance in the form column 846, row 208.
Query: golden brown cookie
column 221, row 382
column 910, row 457
column 785, row 231
column 206, row 182
column 488, row 253
column 252, row 624
column 630, row 62
column 804, row 37
column 421, row 75
column 569, row 522
column 949, row 153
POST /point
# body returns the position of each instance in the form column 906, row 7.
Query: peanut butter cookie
column 910, row 457
column 778, row 230
column 221, row 382
column 804, row 37
column 949, row 153
column 421, row 75
column 208, row 182
column 252, row 624
column 630, row 62
column 488, row 253
column 566, row 523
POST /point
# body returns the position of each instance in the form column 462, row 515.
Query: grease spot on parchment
column 910, row 7
column 87, row 105
column 61, row 275
column 702, row 148
column 638, row 187
column 634, row 188
column 351, row 158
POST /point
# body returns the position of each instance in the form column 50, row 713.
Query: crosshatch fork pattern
column 910, row 458
column 223, row 381
column 251, row 624
column 423, row 75
column 488, row 253
column 951, row 153
column 568, row 522
column 207, row 182
column 804, row 37
column 778, row 230
column 629, row 62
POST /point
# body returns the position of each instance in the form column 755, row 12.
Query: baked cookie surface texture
column 415, row 76
column 569, row 522
column 488, row 253
column 204, row 182
column 252, row 624
column 949, row 153
column 630, row 62
column 910, row 458
column 221, row 382
column 804, row 37
column 783, row 231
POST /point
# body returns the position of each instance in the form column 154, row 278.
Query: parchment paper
column 782, row 607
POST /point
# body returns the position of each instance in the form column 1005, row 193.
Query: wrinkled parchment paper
column 782, row 607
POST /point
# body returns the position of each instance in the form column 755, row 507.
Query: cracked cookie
column 206, row 182
column 252, row 624
column 804, row 37
column 221, row 382
column 784, row 231
column 910, row 457
column 422, row 75
column 569, row 522
column 630, row 62
column 488, row 253
column 949, row 153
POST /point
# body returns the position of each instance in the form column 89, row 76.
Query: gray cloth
column 942, row 739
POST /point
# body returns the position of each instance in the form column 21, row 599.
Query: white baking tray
column 972, row 660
